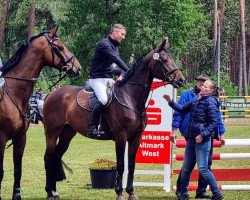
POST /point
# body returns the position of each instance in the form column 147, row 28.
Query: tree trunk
column 222, row 13
column 243, row 45
column 240, row 73
column 3, row 21
column 31, row 25
column 215, row 32
column 248, row 82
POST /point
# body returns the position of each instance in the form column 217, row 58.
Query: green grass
column 82, row 151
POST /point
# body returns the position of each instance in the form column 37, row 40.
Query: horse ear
column 52, row 32
column 165, row 44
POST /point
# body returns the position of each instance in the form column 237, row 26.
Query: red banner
column 154, row 148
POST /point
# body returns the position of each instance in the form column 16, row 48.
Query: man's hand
column 173, row 136
column 167, row 97
column 223, row 140
column 198, row 139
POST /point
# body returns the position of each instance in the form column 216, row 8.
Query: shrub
column 102, row 164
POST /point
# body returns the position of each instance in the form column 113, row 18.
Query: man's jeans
column 200, row 153
column 202, row 184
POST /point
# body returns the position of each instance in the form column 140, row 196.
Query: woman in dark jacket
column 203, row 123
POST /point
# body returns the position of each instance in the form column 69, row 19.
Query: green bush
column 225, row 83
column 102, row 164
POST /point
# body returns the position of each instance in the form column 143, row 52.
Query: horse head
column 163, row 66
column 59, row 56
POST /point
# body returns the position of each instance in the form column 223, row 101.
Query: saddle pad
column 83, row 99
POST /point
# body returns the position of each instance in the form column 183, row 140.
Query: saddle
column 86, row 97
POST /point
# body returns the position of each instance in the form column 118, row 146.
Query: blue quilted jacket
column 203, row 115
column 180, row 120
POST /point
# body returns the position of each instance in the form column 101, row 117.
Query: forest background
column 191, row 26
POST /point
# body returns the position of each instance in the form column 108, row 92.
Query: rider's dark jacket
column 203, row 115
column 106, row 53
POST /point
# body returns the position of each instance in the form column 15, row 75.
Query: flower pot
column 103, row 178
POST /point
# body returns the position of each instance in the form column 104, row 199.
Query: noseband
column 167, row 74
column 55, row 49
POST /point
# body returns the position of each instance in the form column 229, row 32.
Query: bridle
column 55, row 49
column 167, row 74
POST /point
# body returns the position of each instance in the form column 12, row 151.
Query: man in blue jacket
column 106, row 54
column 180, row 121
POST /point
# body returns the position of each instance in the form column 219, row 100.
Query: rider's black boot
column 94, row 120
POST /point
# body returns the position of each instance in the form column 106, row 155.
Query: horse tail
column 67, row 167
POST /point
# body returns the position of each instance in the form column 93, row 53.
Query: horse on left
column 18, row 78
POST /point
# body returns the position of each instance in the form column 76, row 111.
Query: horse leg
column 2, row 149
column 133, row 145
column 1, row 175
column 49, row 168
column 64, row 140
column 18, row 149
column 53, row 164
column 120, row 149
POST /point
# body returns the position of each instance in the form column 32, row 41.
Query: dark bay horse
column 125, row 116
column 19, row 75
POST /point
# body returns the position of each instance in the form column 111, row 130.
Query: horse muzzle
column 72, row 71
column 179, row 82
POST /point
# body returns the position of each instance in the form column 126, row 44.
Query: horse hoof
column 133, row 197
column 53, row 198
column 16, row 197
column 120, row 197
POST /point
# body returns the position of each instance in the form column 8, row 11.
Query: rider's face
column 119, row 34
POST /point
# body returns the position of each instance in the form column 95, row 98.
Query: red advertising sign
column 155, row 143
column 154, row 148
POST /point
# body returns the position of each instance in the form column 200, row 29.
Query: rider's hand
column 120, row 78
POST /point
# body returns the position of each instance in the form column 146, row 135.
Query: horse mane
column 14, row 60
column 132, row 70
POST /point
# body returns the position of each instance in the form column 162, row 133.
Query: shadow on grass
column 155, row 196
column 30, row 198
column 158, row 198
column 89, row 187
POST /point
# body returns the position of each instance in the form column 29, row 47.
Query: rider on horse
column 106, row 54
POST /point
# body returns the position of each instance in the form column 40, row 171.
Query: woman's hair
column 221, row 92
column 215, row 88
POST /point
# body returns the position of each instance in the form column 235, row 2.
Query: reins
column 146, row 84
column 61, row 74
column 34, row 79
column 62, row 77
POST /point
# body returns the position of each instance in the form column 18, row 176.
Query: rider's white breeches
column 99, row 85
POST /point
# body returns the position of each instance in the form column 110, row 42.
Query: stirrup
column 92, row 133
